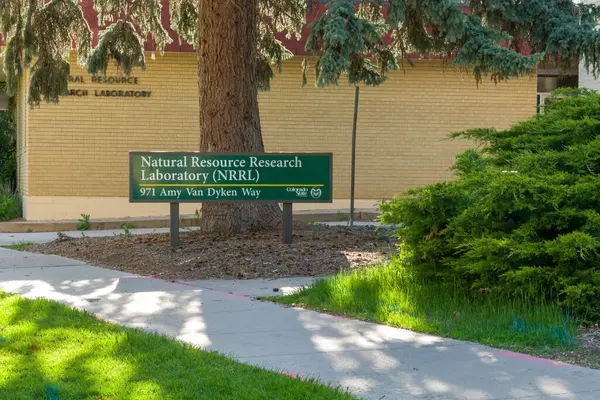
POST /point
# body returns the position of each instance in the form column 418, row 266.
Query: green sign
column 229, row 177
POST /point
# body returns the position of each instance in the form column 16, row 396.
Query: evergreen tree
column 237, row 50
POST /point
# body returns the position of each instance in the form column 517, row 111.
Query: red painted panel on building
column 296, row 46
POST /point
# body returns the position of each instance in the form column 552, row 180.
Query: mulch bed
column 316, row 251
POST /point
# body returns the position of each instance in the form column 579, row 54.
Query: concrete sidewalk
column 373, row 361
column 254, row 288
column 6, row 239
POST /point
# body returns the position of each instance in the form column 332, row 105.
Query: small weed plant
column 127, row 227
column 19, row 245
column 83, row 222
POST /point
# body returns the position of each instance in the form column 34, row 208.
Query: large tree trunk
column 229, row 115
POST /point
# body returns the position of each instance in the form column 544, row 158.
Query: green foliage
column 184, row 19
column 363, row 43
column 84, row 222
column 270, row 52
column 396, row 295
column 523, row 216
column 8, row 151
column 11, row 206
column 276, row 16
column 46, row 31
column 550, row 27
column 19, row 245
column 346, row 42
column 121, row 43
column 127, row 227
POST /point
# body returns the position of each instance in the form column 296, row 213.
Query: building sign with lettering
column 110, row 86
column 227, row 177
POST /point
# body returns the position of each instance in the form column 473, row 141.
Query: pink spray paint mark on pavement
column 292, row 375
column 531, row 358
column 296, row 376
column 239, row 296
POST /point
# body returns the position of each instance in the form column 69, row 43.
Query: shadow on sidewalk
column 371, row 360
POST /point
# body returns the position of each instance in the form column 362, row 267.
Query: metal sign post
column 287, row 223
column 352, row 179
column 174, row 225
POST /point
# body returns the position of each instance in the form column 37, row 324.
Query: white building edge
column 587, row 80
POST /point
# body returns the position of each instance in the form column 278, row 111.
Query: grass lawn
column 392, row 295
column 50, row 351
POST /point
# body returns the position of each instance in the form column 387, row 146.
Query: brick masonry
column 79, row 148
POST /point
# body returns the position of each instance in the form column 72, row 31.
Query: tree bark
column 229, row 114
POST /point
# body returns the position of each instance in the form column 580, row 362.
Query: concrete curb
column 163, row 222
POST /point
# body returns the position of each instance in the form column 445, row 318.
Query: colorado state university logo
column 316, row 193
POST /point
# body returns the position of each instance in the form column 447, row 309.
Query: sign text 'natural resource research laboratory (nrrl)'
column 226, row 177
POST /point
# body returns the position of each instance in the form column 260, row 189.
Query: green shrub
column 523, row 215
column 10, row 205
column 8, row 150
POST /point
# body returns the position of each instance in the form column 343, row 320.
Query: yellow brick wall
column 79, row 147
column 402, row 125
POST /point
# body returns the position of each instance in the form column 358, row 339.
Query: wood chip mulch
column 316, row 251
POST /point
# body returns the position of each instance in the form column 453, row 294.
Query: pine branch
column 146, row 15
column 270, row 52
column 119, row 42
column 287, row 16
column 348, row 43
column 558, row 28
column 13, row 62
column 184, row 20
column 11, row 14
column 49, row 77
column 47, row 34
column 362, row 44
